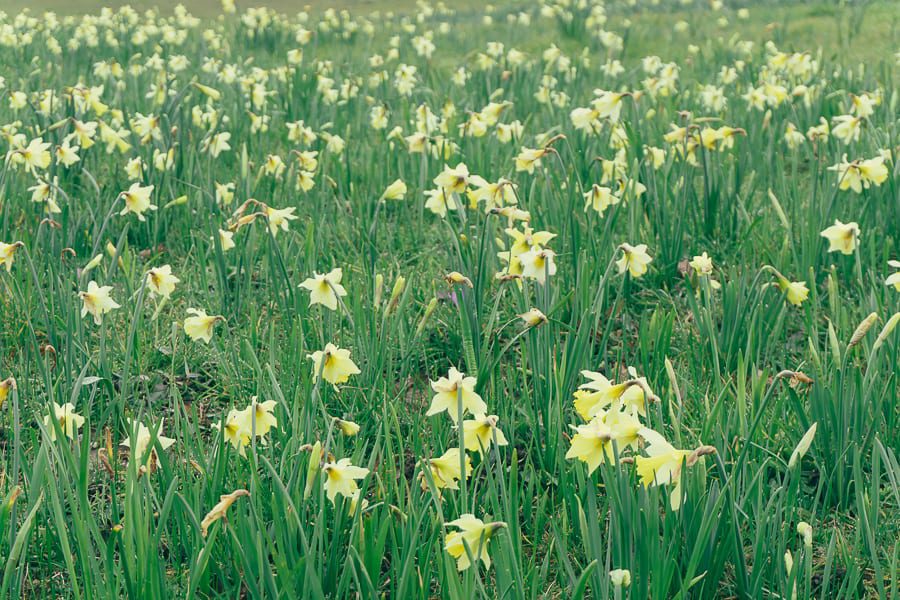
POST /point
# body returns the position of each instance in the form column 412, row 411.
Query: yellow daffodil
column 538, row 263
column 842, row 237
column 97, row 301
column 634, row 260
column 161, row 282
column 472, row 538
column 325, row 288
column 454, row 391
column 69, row 421
column 334, row 364
column 137, row 200
column 446, row 470
column 139, row 439
column 8, row 254
column 340, row 478
column 481, row 431
column 599, row 393
column 199, row 327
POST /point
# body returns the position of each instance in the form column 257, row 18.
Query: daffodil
column 139, row 439
column 279, row 218
column 795, row 291
column 199, row 327
column 395, row 191
column 8, row 254
column 259, row 417
column 634, row 260
column 454, row 394
column 97, row 301
column 325, row 288
column 340, row 478
column 481, row 431
column 894, row 278
column 471, row 539
column 137, row 200
column 446, row 470
column 161, row 282
column 842, row 237
column 348, row 428
column 334, row 364
column 599, row 198
column 69, row 421
column 453, row 181
column 538, row 263
column 607, row 433
column 663, row 464
column 235, row 429
column 599, row 393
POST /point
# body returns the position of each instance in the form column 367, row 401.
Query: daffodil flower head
column 842, row 237
column 8, row 254
column 69, row 421
column 96, row 301
column 139, row 439
column 199, row 327
column 454, row 391
column 634, row 260
column 340, row 478
column 481, row 431
column 325, row 289
column 471, row 539
column 161, row 282
column 446, row 470
column 137, row 200
column 334, row 365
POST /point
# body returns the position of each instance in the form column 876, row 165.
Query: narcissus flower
column 599, row 393
column 841, row 237
column 599, row 198
column 481, row 431
column 235, row 429
column 218, row 511
column 137, row 200
column 340, row 478
column 97, row 302
column 334, row 364
column 8, row 254
column 279, row 218
column 258, row 416
column 607, row 433
column 200, row 326
column 395, row 191
column 161, row 282
column 139, row 440
column 446, row 470
column 455, row 180
column 452, row 391
column 796, row 292
column 860, row 174
column 5, row 386
column 325, row 288
column 472, row 538
column 69, row 421
column 894, row 278
column 663, row 465
column 634, row 259
column 538, row 263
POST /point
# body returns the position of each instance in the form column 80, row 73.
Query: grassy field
column 558, row 300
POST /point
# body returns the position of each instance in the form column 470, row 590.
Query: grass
column 726, row 365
